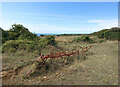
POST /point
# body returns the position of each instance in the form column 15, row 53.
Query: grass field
column 98, row 67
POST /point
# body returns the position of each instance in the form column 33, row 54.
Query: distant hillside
column 108, row 34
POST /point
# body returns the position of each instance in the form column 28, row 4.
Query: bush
column 42, row 35
column 30, row 47
column 84, row 38
column 100, row 41
column 12, row 50
column 13, row 45
column 109, row 34
column 18, row 32
column 17, row 44
column 48, row 40
column 44, row 42
column 78, row 39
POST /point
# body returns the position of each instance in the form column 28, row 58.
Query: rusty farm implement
column 62, row 54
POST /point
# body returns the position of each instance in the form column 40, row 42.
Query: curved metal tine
column 81, row 47
column 88, row 47
column 38, row 58
column 73, row 48
column 45, row 59
column 29, row 72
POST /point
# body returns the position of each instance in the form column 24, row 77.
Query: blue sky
column 60, row 17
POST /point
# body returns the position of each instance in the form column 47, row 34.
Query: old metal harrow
column 62, row 54
column 53, row 55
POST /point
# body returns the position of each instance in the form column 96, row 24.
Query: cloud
column 86, row 27
column 105, row 24
column 38, row 17
column 47, row 28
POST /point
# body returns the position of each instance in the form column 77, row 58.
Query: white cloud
column 46, row 28
column 94, row 25
column 104, row 24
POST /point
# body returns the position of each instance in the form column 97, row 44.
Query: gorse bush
column 86, row 39
column 109, row 34
column 18, row 44
column 18, row 32
column 45, row 42
column 14, row 45
column 83, row 38
column 50, row 40
column 20, row 38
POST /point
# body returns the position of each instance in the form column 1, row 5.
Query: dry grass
column 65, row 38
column 99, row 67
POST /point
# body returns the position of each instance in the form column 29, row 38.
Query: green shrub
column 42, row 43
column 109, row 34
column 18, row 32
column 18, row 44
column 83, row 38
column 12, row 50
column 13, row 45
column 50, row 40
column 30, row 47
column 100, row 41
column 37, row 52
column 78, row 39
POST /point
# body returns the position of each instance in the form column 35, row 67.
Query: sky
column 60, row 17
